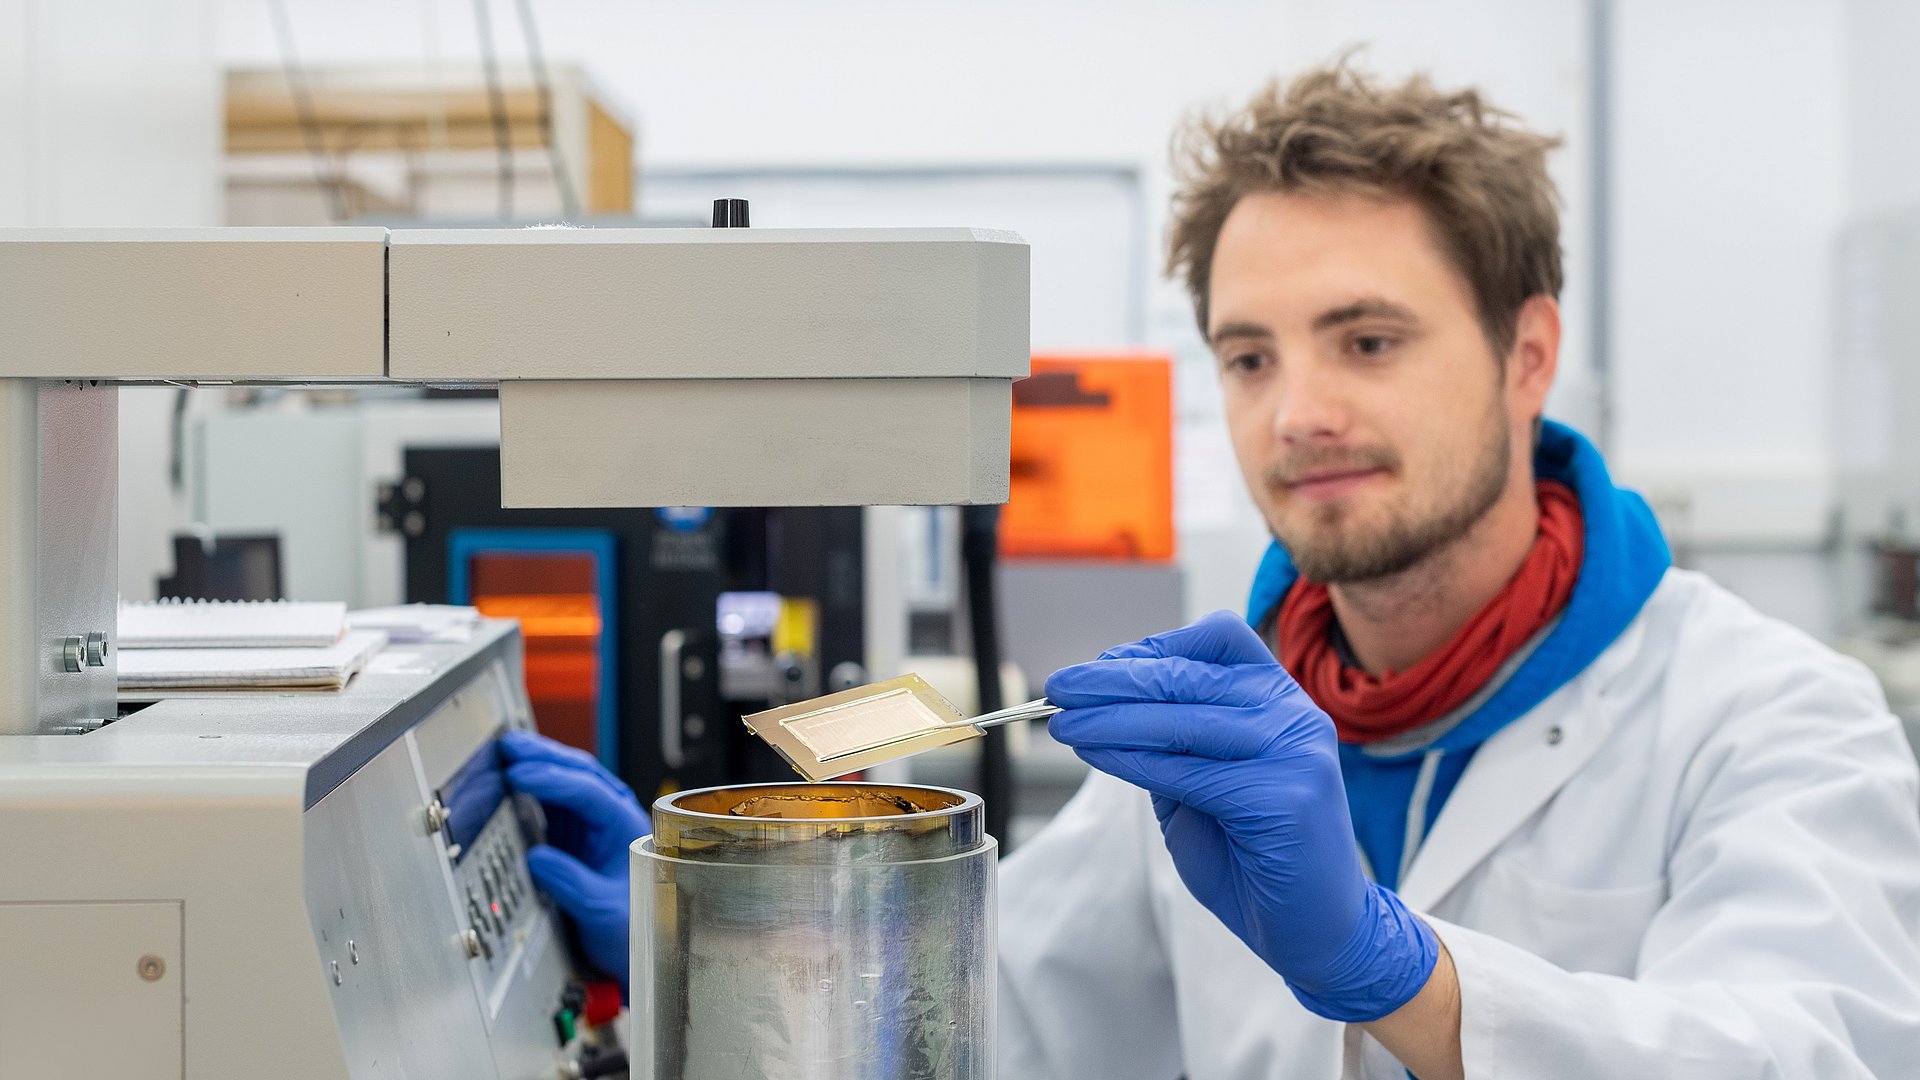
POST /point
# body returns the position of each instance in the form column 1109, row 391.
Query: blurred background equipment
column 648, row 631
column 1876, row 391
column 1092, row 460
column 616, row 607
column 400, row 142
column 209, row 567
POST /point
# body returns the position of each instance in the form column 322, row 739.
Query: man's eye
column 1245, row 363
column 1372, row 345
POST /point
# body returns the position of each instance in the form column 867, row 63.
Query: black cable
column 497, row 105
column 333, row 187
column 979, row 544
column 543, row 89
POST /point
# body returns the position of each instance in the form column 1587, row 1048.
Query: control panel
column 497, row 905
column 483, row 832
column 437, row 954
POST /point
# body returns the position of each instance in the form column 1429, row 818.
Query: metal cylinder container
column 814, row 931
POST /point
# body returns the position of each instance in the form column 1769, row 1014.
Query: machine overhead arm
column 636, row 367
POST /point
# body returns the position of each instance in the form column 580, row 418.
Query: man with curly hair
column 1482, row 785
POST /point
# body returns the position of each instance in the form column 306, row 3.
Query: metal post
column 59, row 555
column 1600, row 198
column 979, row 544
column 19, row 528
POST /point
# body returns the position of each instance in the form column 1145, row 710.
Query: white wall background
column 1747, row 132
column 1729, row 180
column 1882, row 125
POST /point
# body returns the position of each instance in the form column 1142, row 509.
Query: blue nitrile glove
column 592, row 818
column 1244, row 770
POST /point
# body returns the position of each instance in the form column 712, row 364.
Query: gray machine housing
column 289, row 845
column 239, row 885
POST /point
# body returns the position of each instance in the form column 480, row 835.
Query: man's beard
column 1333, row 555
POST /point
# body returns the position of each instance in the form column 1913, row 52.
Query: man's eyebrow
column 1238, row 330
column 1370, row 308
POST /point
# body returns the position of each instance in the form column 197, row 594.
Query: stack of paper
column 215, row 624
column 200, row 645
column 326, row 668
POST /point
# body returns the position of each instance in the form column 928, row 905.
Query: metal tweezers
column 1037, row 709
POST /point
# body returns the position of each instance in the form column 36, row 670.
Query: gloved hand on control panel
column 592, row 819
column 1244, row 771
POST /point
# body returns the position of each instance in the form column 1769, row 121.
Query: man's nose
column 1309, row 407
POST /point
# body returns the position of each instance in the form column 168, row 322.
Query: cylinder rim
column 643, row 847
column 966, row 802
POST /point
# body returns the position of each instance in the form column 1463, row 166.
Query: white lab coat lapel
column 1513, row 774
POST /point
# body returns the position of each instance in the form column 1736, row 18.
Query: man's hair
column 1481, row 180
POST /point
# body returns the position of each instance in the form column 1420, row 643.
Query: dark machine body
column 665, row 572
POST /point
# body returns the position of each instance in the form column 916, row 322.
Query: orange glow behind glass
column 552, row 594
column 1091, row 467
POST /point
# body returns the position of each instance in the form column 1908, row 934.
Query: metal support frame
column 59, row 563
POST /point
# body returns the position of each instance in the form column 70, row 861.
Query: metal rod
column 1038, row 709
column 496, row 105
column 543, row 89
column 332, row 187
column 1600, row 198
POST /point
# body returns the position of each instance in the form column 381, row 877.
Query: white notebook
column 223, row 624
column 326, row 668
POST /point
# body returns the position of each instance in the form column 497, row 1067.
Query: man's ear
column 1535, row 357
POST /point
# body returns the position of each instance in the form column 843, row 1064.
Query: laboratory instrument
column 304, row 885
column 814, row 932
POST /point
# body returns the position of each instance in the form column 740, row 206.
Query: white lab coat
column 1699, row 859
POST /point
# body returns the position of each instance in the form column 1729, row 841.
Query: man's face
column 1371, row 419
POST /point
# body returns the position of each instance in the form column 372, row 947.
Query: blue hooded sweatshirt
column 1624, row 558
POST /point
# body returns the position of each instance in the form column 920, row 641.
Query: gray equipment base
column 251, row 884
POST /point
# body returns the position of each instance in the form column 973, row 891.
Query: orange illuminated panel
column 1092, row 461
column 552, row 594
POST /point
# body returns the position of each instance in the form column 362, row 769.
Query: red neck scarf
column 1367, row 708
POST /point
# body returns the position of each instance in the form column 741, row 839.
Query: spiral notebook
column 232, row 624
